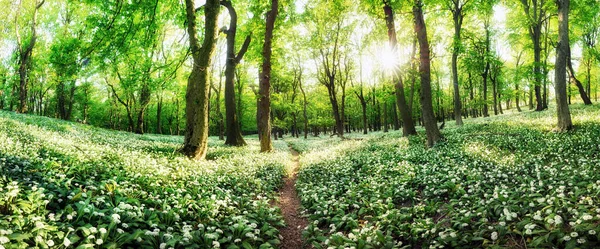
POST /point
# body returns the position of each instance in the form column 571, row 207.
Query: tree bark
column 486, row 70
column 395, row 117
column 431, row 128
column 582, row 93
column 516, row 79
column 196, row 109
column 408, row 126
column 234, row 133
column 159, row 115
column 562, row 52
column 457, row 17
column 304, row 104
column 25, row 54
column 264, row 100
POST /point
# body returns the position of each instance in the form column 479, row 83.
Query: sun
column 388, row 58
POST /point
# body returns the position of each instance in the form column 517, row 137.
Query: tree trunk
column 582, row 93
column 537, row 70
column 495, row 92
column 196, row 108
column 562, row 52
column 395, row 117
column 25, row 57
column 264, row 105
column 457, row 17
column 159, row 115
column 431, row 128
column 486, row 70
column 304, row 105
column 408, row 126
column 144, row 101
column 234, row 133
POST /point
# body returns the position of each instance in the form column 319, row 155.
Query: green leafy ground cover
column 502, row 182
column 68, row 185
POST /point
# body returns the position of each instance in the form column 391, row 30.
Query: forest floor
column 290, row 206
column 506, row 181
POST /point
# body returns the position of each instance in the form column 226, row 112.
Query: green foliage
column 496, row 182
column 66, row 184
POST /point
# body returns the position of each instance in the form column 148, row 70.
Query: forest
column 299, row 124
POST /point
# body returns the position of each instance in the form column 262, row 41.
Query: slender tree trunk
column 234, row 133
column 408, row 126
column 486, row 70
column 264, row 105
column 431, row 128
column 363, row 104
column 385, row 117
column 196, row 108
column 457, row 17
column 159, row 115
column 582, row 93
column 562, row 52
column 516, row 80
column 537, row 71
column 589, row 76
column 531, row 107
column 495, row 93
column 517, row 97
column 395, row 116
column 304, row 105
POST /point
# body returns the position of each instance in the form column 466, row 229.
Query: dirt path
column 290, row 208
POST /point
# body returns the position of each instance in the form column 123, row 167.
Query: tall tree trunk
column 144, row 101
column 457, row 17
column 196, row 108
column 363, row 104
column 159, row 115
column 516, row 80
column 240, row 92
column 537, row 73
column 234, row 133
column 486, row 69
column 304, row 105
column 264, row 105
column 177, row 121
column 2, row 94
column 431, row 128
column 589, row 76
column 562, row 55
column 385, row 117
column 25, row 53
column 408, row 126
column 395, row 117
column 495, row 92
column 531, row 99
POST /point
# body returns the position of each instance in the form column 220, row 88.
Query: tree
column 264, row 99
column 457, row 7
column 408, row 127
column 562, row 55
column 25, row 51
column 234, row 133
column 429, row 121
column 196, row 98
column 535, row 11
